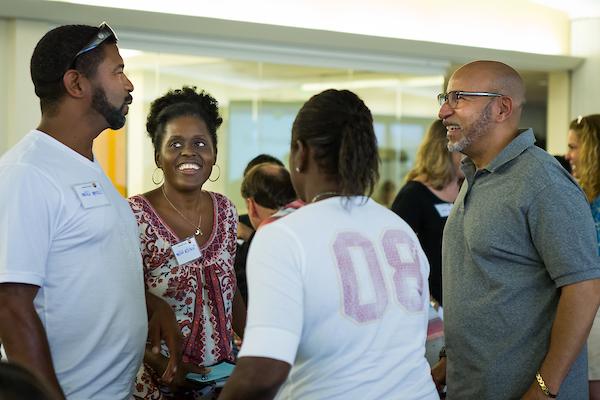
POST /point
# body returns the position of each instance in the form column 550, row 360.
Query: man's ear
column 505, row 111
column 75, row 83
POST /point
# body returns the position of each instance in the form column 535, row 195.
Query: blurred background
column 263, row 59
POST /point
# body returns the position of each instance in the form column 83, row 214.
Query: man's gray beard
column 477, row 129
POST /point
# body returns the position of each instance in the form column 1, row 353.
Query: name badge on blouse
column 443, row 209
column 187, row 250
column 91, row 195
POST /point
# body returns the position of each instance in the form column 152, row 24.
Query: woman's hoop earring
column 161, row 179
column 297, row 169
column 218, row 175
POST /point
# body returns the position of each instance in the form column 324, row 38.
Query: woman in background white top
column 338, row 294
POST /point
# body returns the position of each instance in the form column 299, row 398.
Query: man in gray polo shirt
column 519, row 257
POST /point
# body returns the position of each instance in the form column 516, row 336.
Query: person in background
column 584, row 157
column 338, row 289
column 245, row 230
column 266, row 188
column 562, row 160
column 188, row 241
column 519, row 259
column 424, row 201
column 73, row 308
column 385, row 194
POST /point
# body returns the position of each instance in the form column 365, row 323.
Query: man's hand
column 162, row 325
column 438, row 373
column 159, row 364
column 534, row 393
column 181, row 383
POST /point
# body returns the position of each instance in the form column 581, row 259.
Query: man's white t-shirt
column 65, row 228
column 340, row 292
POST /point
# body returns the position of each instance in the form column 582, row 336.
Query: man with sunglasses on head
column 521, row 273
column 73, row 306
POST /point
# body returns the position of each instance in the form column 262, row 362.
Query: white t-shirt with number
column 340, row 293
column 65, row 228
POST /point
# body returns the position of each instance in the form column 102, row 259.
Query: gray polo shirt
column 519, row 230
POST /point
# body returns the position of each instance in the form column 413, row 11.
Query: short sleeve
column 29, row 207
column 565, row 237
column 275, row 295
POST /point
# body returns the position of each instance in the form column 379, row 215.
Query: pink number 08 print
column 400, row 254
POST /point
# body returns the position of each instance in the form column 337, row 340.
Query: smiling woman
column 188, row 240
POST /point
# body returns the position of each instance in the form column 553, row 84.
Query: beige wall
column 558, row 117
column 19, row 107
column 585, row 91
column 3, row 85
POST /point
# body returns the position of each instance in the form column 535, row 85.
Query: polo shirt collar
column 518, row 145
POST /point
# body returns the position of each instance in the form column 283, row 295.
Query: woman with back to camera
column 338, row 288
column 188, row 241
column 425, row 200
column 584, row 157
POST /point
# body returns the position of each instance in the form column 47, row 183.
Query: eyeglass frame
column 443, row 98
column 104, row 32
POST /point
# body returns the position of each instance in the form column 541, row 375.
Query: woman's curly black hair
column 186, row 101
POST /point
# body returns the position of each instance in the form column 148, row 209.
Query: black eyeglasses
column 454, row 96
column 104, row 32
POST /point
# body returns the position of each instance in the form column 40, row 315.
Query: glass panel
column 259, row 101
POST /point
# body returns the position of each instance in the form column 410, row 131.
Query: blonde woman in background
column 584, row 157
column 425, row 200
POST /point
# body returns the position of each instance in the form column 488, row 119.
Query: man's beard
column 475, row 130
column 114, row 116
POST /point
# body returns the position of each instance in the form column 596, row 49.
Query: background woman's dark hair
column 55, row 53
column 179, row 103
column 338, row 126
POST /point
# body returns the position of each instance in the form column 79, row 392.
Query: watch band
column 543, row 386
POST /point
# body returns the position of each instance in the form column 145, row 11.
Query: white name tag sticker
column 187, row 250
column 91, row 195
column 443, row 209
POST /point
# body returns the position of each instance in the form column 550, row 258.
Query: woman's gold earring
column 155, row 180
column 218, row 175
column 297, row 169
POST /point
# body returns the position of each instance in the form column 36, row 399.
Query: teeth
column 188, row 166
column 452, row 127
